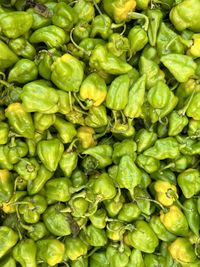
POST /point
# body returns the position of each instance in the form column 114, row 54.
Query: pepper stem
column 135, row 15
column 154, row 201
column 183, row 110
column 79, row 102
column 76, row 45
column 97, row 7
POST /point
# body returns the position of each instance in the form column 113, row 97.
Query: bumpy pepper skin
column 101, row 26
column 39, row 96
column 8, row 262
column 142, row 238
column 68, row 162
column 75, row 248
column 27, row 168
column 96, row 117
column 37, row 231
column 4, row 130
column 138, row 38
column 56, row 221
column 98, row 219
column 16, row 23
column 182, row 67
column 43, row 121
column 102, row 59
column 93, row 90
column 66, row 130
column 67, row 73
column 58, row 189
column 50, row 251
column 189, row 182
column 125, row 147
column 116, row 257
column 119, row 10
column 129, row 212
column 50, row 152
column 193, row 109
column 136, row 259
column 148, row 163
column 175, row 221
column 176, row 123
column 24, row 71
column 98, row 259
column 166, row 193
column 64, row 16
column 95, row 236
column 7, row 56
column 6, row 186
column 8, row 238
column 25, row 253
column 84, row 10
column 179, row 15
column 182, row 251
column 118, row 44
column 52, row 36
column 155, row 18
column 145, row 139
column 20, row 120
column 117, row 96
column 21, row 47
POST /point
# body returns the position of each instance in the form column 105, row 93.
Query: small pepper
column 138, row 38
column 136, row 259
column 166, row 193
column 84, row 10
column 118, row 45
column 94, row 236
column 21, row 47
column 129, row 212
column 75, row 248
column 6, row 186
column 58, row 189
column 118, row 257
column 4, row 131
column 96, row 117
column 120, row 149
column 148, row 163
column 8, row 239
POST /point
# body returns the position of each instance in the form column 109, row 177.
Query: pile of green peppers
column 99, row 133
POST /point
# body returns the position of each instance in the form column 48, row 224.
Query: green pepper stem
column 135, row 15
column 79, row 102
column 97, row 7
column 182, row 111
column 76, row 45
column 116, row 26
column 72, row 145
column 154, row 201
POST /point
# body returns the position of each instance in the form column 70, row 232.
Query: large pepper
column 64, row 16
column 16, row 23
column 52, row 36
column 56, row 221
column 49, row 152
column 8, row 238
column 189, row 182
column 93, row 90
column 39, row 96
column 32, row 207
column 142, row 238
column 128, row 175
column 58, row 189
column 102, row 59
column 67, row 73
column 20, row 120
column 175, row 221
column 6, row 186
column 25, row 253
column 179, row 15
column 21, row 47
column 24, row 71
column 50, row 251
column 182, row 67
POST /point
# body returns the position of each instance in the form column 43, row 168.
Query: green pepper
column 113, row 206
column 182, row 67
column 94, row 236
column 96, row 117
column 178, row 15
column 193, row 127
column 148, row 163
column 80, row 262
column 67, row 73
column 75, row 248
column 152, row 260
column 101, row 26
column 4, row 131
column 101, row 153
column 27, row 168
column 160, row 230
column 138, row 38
column 176, row 123
column 120, row 149
column 39, row 96
column 99, row 259
column 193, row 109
column 24, row 71
column 25, row 253
column 81, row 30
column 6, row 186
column 8, row 239
column 20, row 120
column 58, row 189
column 145, row 139
column 50, row 251
column 93, row 90
column 142, row 238
column 8, row 262
column 52, row 36
column 4, row 158
column 43, row 121
column 119, row 10
column 16, row 23
column 182, row 251
column 79, row 205
column 50, row 152
column 129, row 212
column 136, row 259
column 155, row 18
column 56, row 221
column 142, row 199
column 189, row 183
column 117, row 96
column 32, row 207
column 128, row 175
column 102, row 59
column 135, row 98
column 43, row 175
column 8, row 207
column 192, row 215
column 64, row 16
column 66, row 130
column 118, row 256
column 175, row 221
column 164, row 148
column 84, row 10
column 36, row 231
column 40, row 19
column 86, row 136
column 21, row 47
column 98, row 219
column 118, row 45
column 7, row 57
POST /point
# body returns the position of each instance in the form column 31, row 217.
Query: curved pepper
column 118, row 44
column 94, row 236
